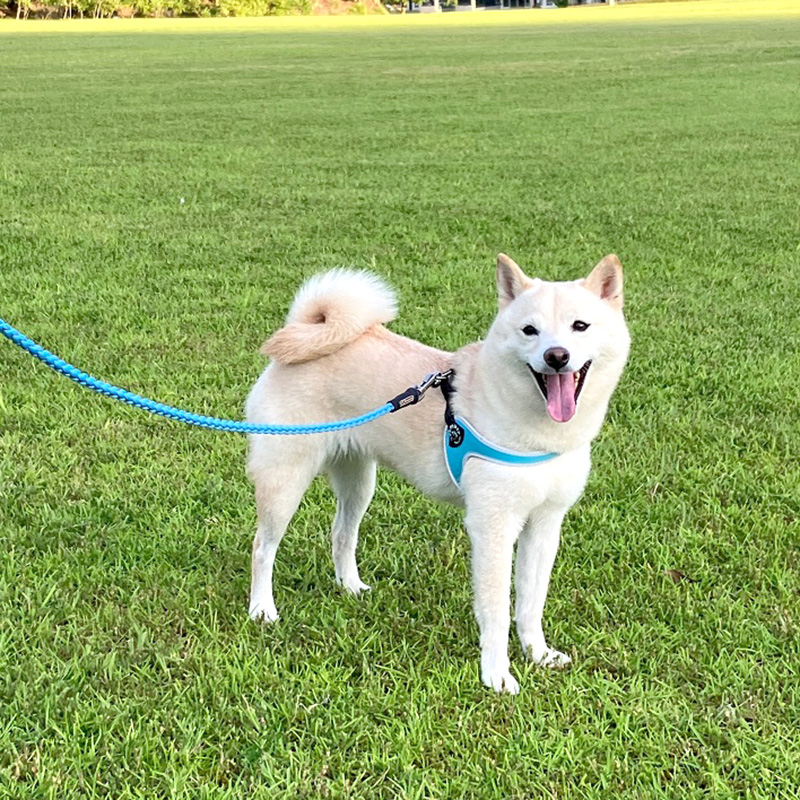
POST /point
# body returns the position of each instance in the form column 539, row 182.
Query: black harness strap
column 454, row 431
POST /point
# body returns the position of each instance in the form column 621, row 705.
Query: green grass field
column 417, row 147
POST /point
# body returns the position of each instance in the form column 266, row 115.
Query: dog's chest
column 557, row 483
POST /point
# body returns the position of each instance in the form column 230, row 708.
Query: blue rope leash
column 409, row 397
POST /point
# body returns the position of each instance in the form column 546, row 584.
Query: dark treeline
column 22, row 9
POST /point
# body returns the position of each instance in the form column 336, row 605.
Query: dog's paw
column 354, row 586
column 263, row 612
column 552, row 659
column 495, row 673
column 501, row 682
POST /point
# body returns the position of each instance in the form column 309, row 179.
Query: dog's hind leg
column 353, row 480
column 281, row 480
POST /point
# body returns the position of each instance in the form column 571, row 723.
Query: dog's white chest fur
column 524, row 488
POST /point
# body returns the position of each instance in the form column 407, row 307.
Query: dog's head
column 569, row 338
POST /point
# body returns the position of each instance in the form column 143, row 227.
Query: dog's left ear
column 511, row 280
column 605, row 280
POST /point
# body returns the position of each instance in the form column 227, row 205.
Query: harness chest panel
column 470, row 444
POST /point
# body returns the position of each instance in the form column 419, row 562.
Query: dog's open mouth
column 561, row 391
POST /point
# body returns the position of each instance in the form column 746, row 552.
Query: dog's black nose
column 556, row 357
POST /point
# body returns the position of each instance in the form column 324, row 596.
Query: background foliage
column 418, row 148
column 173, row 8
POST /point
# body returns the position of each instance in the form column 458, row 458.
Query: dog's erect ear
column 511, row 280
column 605, row 280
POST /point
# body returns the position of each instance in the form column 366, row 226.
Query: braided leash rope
column 409, row 397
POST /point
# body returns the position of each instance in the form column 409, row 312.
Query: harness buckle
column 455, row 434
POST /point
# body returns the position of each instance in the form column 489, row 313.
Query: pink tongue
column 561, row 396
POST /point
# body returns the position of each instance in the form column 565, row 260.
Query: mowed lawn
column 165, row 186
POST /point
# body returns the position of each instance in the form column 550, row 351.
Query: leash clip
column 432, row 381
column 414, row 394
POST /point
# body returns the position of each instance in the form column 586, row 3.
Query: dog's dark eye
column 529, row 330
column 579, row 325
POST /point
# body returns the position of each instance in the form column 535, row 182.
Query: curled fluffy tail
column 330, row 311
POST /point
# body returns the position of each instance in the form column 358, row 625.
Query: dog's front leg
column 492, row 532
column 536, row 552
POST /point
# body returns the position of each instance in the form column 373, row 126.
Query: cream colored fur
column 335, row 359
column 330, row 311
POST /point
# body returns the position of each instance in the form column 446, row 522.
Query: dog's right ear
column 511, row 280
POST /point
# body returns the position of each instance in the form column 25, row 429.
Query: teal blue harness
column 473, row 445
column 462, row 442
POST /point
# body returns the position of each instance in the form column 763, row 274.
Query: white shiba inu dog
column 540, row 381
